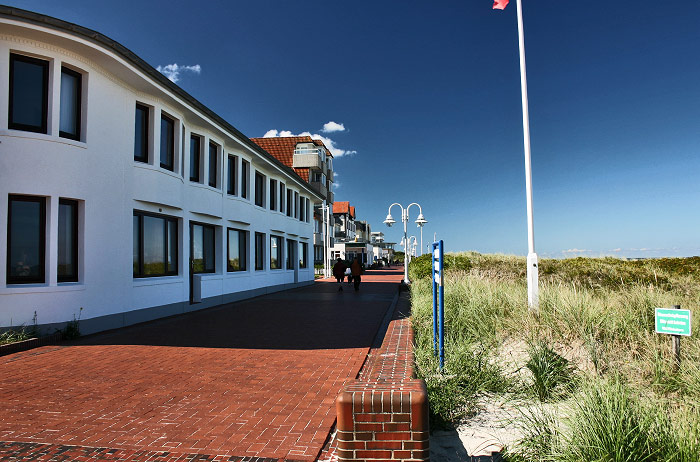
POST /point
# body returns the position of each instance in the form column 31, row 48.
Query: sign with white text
column 673, row 322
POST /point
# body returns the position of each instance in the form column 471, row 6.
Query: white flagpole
column 532, row 279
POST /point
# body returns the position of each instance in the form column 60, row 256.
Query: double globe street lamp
column 420, row 221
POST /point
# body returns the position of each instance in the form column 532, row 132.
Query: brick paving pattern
column 253, row 380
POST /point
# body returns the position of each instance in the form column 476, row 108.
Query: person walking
column 339, row 273
column 356, row 271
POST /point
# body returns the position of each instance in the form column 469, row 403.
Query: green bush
column 552, row 374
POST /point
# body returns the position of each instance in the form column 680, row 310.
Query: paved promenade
column 255, row 379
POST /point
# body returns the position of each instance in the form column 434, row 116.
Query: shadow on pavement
column 307, row 318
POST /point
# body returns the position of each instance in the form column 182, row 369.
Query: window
column 259, row 251
column 232, row 170
column 213, row 161
column 303, row 252
column 237, row 250
column 308, row 210
column 273, row 194
column 290, row 204
column 155, row 245
column 141, row 133
column 290, row 254
column 296, row 205
column 71, row 84
column 167, row 142
column 275, row 252
column 302, row 209
column 202, row 248
column 281, row 197
column 259, row 189
column 245, row 172
column 195, row 150
column 29, row 94
column 67, row 240
column 26, row 239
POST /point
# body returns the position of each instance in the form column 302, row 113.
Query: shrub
column 552, row 374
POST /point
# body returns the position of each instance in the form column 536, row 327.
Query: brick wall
column 383, row 415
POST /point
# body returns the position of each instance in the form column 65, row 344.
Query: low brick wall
column 383, row 415
column 28, row 344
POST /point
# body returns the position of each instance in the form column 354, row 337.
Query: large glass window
column 273, row 194
column 303, row 254
column 232, row 171
column 259, row 251
column 69, row 125
column 213, row 161
column 141, row 133
column 26, row 239
column 237, row 250
column 245, row 174
column 203, row 248
column 275, row 252
column 155, row 245
column 259, row 189
column 29, row 94
column 195, row 149
column 167, row 142
column 67, row 240
column 290, row 254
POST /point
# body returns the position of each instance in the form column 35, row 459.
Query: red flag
column 500, row 4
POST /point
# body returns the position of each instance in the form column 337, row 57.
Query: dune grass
column 593, row 333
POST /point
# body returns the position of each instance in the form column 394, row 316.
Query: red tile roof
column 341, row 207
column 352, row 212
column 282, row 148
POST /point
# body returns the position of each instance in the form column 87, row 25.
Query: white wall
column 100, row 172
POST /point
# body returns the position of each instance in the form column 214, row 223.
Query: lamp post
column 420, row 221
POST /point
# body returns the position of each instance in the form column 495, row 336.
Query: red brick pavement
column 255, row 379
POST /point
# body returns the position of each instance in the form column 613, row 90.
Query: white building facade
column 123, row 195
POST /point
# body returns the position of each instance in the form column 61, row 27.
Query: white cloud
column 172, row 71
column 331, row 127
column 330, row 144
column 617, row 250
column 575, row 250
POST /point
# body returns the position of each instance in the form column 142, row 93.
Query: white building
column 123, row 195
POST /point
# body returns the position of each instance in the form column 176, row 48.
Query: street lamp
column 421, row 221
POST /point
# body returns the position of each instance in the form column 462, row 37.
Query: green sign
column 672, row 321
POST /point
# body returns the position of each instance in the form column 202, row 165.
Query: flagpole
column 532, row 273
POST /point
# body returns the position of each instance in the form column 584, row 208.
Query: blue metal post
column 442, row 309
column 435, row 303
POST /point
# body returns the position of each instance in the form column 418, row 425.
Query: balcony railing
column 310, row 160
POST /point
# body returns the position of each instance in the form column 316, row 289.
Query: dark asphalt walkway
column 257, row 378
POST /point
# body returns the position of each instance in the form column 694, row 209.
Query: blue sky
column 429, row 95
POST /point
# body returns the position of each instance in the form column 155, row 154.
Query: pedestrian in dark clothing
column 356, row 271
column 339, row 273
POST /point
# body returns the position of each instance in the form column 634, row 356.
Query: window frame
column 74, row 240
column 213, row 229
column 242, row 250
column 45, row 64
column 304, row 255
column 198, row 164
column 259, row 189
column 167, row 219
column 145, row 142
column 215, row 165
column 79, row 104
column 260, row 257
column 279, row 252
column 245, row 178
column 282, row 196
column 273, row 194
column 170, row 155
column 289, row 201
column 232, row 184
column 41, row 279
column 289, row 263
